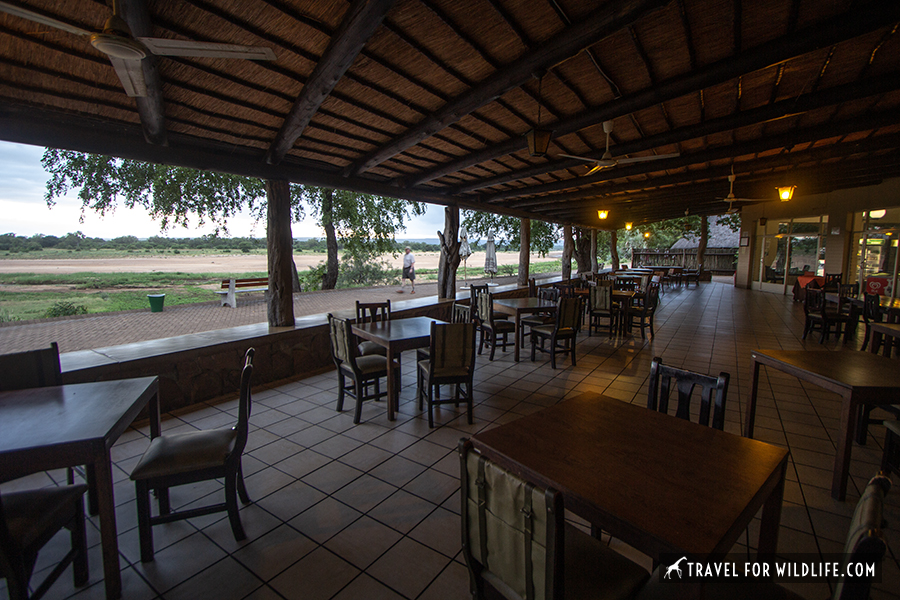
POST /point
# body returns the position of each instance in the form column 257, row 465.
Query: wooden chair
column 372, row 312
column 548, row 294
column 642, row 315
column 864, row 543
column 832, row 282
column 820, row 316
column 601, row 307
column 713, row 393
column 185, row 458
column 515, row 539
column 562, row 333
column 363, row 371
column 28, row 520
column 493, row 331
column 871, row 314
column 625, row 283
column 451, row 362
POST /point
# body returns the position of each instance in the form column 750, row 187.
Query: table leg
column 518, row 337
column 751, row 404
column 771, row 520
column 108, row 540
column 849, row 408
column 391, row 392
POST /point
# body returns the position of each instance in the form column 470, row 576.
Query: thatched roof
column 429, row 100
column 720, row 236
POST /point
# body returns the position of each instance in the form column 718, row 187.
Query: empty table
column 517, row 307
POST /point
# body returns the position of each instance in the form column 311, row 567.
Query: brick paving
column 112, row 329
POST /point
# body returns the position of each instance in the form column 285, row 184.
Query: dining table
column 860, row 378
column 516, row 307
column 76, row 424
column 396, row 336
column 662, row 484
column 889, row 330
column 886, row 305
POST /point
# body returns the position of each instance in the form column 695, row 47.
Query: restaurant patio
column 371, row 510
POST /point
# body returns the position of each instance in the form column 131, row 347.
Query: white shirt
column 408, row 260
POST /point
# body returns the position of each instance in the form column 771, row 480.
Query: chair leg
column 231, row 505
column 79, row 545
column 866, row 337
column 341, row 384
column 533, row 345
column 469, row 402
column 357, row 414
column 493, row 344
column 145, row 532
column 162, row 499
column 572, row 350
column 430, row 405
column 552, row 353
column 241, row 487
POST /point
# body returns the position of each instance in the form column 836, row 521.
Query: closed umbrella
column 464, row 250
column 490, row 256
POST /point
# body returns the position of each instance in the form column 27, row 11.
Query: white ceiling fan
column 607, row 159
column 125, row 51
column 730, row 198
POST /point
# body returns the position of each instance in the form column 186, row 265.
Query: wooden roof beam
column 858, row 21
column 611, row 17
column 362, row 19
column 151, row 108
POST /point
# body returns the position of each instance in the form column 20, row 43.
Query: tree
column 507, row 231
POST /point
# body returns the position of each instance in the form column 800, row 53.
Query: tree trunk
column 280, row 297
column 449, row 261
column 524, row 252
column 295, row 277
column 329, row 279
column 613, row 249
column 704, row 240
column 582, row 250
column 594, row 265
column 568, row 249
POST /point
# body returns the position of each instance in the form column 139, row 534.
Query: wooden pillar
column 280, row 297
column 594, row 265
column 568, row 250
column 449, row 261
column 524, row 252
column 704, row 240
column 613, row 248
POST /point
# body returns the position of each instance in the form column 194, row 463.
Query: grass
column 33, row 305
column 57, row 253
column 89, row 280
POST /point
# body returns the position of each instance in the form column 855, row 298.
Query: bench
column 231, row 287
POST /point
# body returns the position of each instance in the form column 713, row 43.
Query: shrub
column 5, row 317
column 64, row 308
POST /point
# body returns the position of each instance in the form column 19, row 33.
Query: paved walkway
column 100, row 330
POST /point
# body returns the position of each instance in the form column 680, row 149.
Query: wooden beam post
column 280, row 297
column 594, row 265
column 449, row 261
column 524, row 252
column 614, row 249
column 568, row 250
column 704, row 240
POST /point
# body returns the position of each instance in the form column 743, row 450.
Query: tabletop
column 659, row 483
column 396, row 329
column 843, row 368
column 525, row 303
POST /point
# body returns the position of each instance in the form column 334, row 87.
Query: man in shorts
column 409, row 271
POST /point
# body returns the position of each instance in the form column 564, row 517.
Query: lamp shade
column 628, row 226
column 786, row 192
column 538, row 141
column 602, row 213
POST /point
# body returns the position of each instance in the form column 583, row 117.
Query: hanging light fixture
column 602, row 213
column 647, row 235
column 628, row 226
column 538, row 139
column 786, row 192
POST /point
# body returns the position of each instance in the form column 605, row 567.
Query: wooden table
column 891, row 330
column 661, row 484
column 396, row 336
column 517, row 307
column 625, row 298
column 76, row 424
column 859, row 378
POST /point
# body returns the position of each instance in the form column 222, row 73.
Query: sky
column 23, row 210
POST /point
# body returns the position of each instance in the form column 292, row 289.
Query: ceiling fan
column 730, row 198
column 125, row 51
column 607, row 159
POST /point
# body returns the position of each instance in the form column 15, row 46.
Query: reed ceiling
column 429, row 100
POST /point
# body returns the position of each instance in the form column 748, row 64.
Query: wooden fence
column 717, row 260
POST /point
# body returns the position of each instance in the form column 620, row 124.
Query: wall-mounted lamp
column 877, row 214
column 602, row 213
column 763, row 221
column 627, row 226
column 786, row 192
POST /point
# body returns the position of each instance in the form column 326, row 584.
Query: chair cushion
column 504, row 326
column 31, row 513
column 594, row 571
column 185, row 452
column 368, row 348
column 536, row 320
column 371, row 364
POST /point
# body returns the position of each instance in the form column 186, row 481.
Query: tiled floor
column 370, row 511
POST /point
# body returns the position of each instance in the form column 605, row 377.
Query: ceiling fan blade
column 600, row 167
column 168, row 47
column 637, row 159
column 131, row 74
column 584, row 158
column 31, row 15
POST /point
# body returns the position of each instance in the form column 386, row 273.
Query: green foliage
column 311, row 279
column 365, row 272
column 507, row 231
column 5, row 317
column 64, row 308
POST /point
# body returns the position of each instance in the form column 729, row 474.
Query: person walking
column 409, row 271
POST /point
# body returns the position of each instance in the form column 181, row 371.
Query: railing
column 717, row 260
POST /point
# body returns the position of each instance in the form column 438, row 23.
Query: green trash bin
column 156, row 302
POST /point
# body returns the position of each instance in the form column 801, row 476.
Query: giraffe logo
column 674, row 568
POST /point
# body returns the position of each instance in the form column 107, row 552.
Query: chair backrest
column 484, row 305
column 652, row 301
column 601, row 296
column 512, row 531
column 452, row 346
column 370, row 312
column 31, row 369
column 566, row 290
column 645, row 281
column 626, row 284
column 245, row 404
column 848, row 290
column 814, row 302
column 832, row 282
column 713, row 392
column 462, row 313
column 550, row 294
column 532, row 287
column 865, row 542
column 568, row 314
column 341, row 348
column 872, row 308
